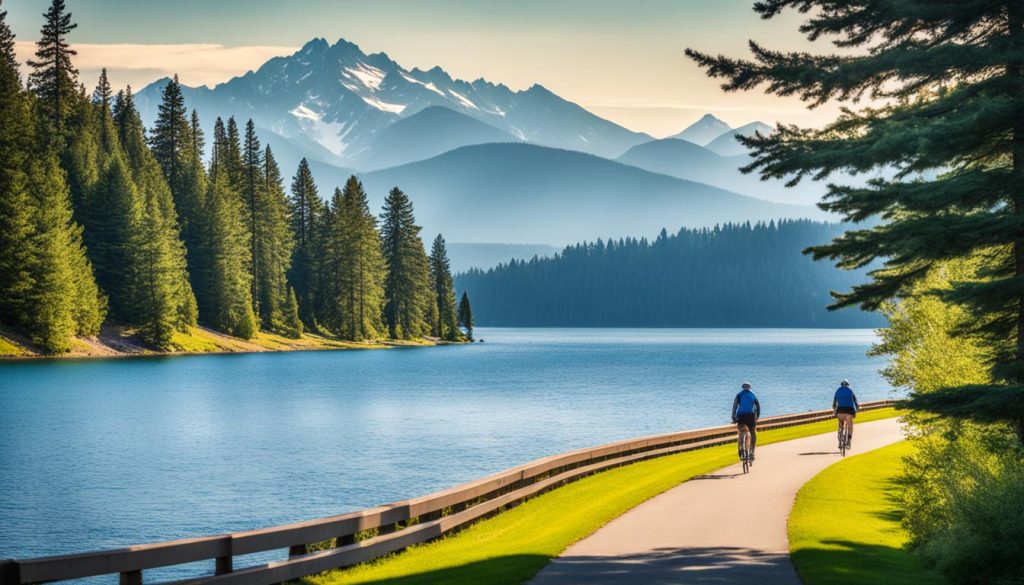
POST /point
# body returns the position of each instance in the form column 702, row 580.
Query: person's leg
column 740, row 429
column 846, row 419
column 753, row 437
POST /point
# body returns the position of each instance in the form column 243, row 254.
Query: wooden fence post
column 10, row 574
column 131, row 578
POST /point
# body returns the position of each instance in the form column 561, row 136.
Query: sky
column 621, row 60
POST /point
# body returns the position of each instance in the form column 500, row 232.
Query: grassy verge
column 844, row 528
column 120, row 341
column 513, row 546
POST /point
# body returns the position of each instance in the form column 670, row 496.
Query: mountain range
column 484, row 163
column 334, row 101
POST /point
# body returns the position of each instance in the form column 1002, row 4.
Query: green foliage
column 407, row 288
column 466, row 315
column 226, row 299
column 353, row 266
column 54, row 79
column 950, row 83
column 291, row 324
column 734, row 275
column 959, row 487
column 445, row 323
column 307, row 212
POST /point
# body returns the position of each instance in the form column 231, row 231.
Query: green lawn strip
column 845, row 525
column 513, row 546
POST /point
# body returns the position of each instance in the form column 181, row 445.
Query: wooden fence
column 384, row 529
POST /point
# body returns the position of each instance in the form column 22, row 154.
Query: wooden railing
column 386, row 529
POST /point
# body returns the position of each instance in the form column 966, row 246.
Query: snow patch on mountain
column 384, row 106
column 368, row 75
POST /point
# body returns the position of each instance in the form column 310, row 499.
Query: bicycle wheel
column 746, row 463
column 842, row 443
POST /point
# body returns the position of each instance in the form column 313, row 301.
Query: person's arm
column 757, row 409
column 835, row 400
column 856, row 403
column 735, row 405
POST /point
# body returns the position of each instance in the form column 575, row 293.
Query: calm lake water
column 106, row 453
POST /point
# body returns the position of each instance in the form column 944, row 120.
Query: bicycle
column 746, row 456
column 844, row 438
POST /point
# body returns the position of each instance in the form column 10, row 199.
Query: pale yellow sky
column 625, row 64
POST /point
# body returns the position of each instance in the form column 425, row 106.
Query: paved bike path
column 724, row 527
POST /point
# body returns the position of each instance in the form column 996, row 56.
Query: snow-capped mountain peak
column 333, row 101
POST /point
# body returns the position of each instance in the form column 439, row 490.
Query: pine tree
column 163, row 293
column 407, row 289
column 253, row 192
column 170, row 141
column 227, row 287
column 231, row 157
column 466, row 315
column 114, row 237
column 17, row 143
column 291, row 324
column 951, row 84
column 306, row 213
column 65, row 300
column 54, row 79
column 275, row 246
column 103, row 93
column 446, row 324
column 354, row 274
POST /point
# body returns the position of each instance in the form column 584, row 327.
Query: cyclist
column 745, row 411
column 845, row 405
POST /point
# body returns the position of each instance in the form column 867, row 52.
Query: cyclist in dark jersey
column 745, row 411
column 845, row 405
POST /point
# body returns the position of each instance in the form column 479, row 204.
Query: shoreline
column 115, row 343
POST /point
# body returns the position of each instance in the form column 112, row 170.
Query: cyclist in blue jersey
column 845, row 405
column 745, row 411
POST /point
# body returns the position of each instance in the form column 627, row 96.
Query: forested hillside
column 736, row 275
column 105, row 222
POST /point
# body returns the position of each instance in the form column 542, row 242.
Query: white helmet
column 746, row 385
column 844, row 383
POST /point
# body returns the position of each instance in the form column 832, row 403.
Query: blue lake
column 105, row 453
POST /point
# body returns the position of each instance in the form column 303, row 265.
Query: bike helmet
column 746, row 386
column 844, row 383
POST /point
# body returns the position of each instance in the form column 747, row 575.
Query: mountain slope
column 727, row 145
column 334, row 101
column 684, row 160
column 522, row 193
column 704, row 130
column 427, row 133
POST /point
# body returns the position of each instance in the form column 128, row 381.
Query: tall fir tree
column 54, row 79
column 465, row 315
column 445, row 324
column 306, row 214
column 407, row 289
column 253, row 192
column 949, row 80
column 231, row 157
column 170, row 142
column 164, row 294
column 354, row 266
column 17, row 145
column 227, row 287
column 274, row 248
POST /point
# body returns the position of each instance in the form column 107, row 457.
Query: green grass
column 845, row 526
column 513, row 546
column 10, row 349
